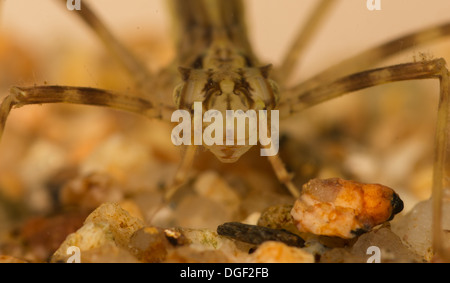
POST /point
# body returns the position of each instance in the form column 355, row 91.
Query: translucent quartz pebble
column 414, row 229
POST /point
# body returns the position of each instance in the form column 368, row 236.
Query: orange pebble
column 336, row 207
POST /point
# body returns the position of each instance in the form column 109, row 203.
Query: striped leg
column 301, row 99
column 131, row 63
column 302, row 40
column 283, row 175
column 76, row 95
column 371, row 57
column 181, row 174
column 435, row 69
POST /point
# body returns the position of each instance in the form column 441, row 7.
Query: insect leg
column 283, row 176
column 301, row 99
column 435, row 69
column 373, row 56
column 178, row 181
column 181, row 174
column 20, row 96
column 132, row 64
column 302, row 40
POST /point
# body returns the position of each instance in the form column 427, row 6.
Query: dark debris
column 257, row 235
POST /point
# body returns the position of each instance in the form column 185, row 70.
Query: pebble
column 345, row 209
column 108, row 230
column 278, row 217
column 389, row 247
column 277, row 252
column 415, row 228
column 149, row 244
column 195, row 255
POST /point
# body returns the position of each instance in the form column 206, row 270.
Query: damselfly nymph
column 293, row 57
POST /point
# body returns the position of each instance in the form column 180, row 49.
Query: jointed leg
column 178, row 181
column 435, row 69
column 76, row 95
column 441, row 181
column 371, row 57
column 283, row 175
column 302, row 40
column 181, row 174
column 132, row 64
column 96, row 97
column 300, row 99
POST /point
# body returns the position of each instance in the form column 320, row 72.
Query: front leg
column 139, row 72
column 20, row 96
column 370, row 57
column 283, row 175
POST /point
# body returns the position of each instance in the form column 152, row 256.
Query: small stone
column 176, row 237
column 108, row 253
column 209, row 240
column 391, row 247
column 278, row 217
column 194, row 255
column 121, row 223
column 132, row 208
column 277, row 252
column 415, row 228
column 204, row 238
column 336, row 207
column 109, row 227
column 149, row 244
column 340, row 255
